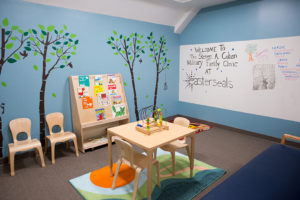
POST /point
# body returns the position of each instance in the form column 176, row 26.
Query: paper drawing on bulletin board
column 260, row 77
column 84, row 81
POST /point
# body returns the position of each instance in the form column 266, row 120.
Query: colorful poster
column 103, row 99
column 84, row 81
column 87, row 102
column 112, row 87
column 83, row 91
column 112, row 92
column 118, row 110
column 98, row 80
column 100, row 114
column 98, row 89
column 111, row 79
column 116, row 99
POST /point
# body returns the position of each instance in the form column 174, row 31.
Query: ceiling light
column 182, row 1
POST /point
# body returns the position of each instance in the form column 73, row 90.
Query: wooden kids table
column 150, row 143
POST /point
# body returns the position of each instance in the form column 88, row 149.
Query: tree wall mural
column 56, row 48
column 158, row 53
column 12, row 39
column 130, row 49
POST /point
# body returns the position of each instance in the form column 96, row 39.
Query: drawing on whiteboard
column 263, row 77
column 250, row 49
column 262, row 56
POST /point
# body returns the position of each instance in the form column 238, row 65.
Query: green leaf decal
column 34, row 31
column 16, row 56
column 25, row 33
column 147, row 96
column 115, row 32
column 35, row 53
column 125, row 84
column 7, row 32
column 65, row 27
column 57, row 43
column 5, row 22
column 35, row 67
column 9, row 45
column 66, row 42
column 44, row 33
column 73, row 53
column 59, row 51
column 114, row 109
column 50, row 28
column 139, row 78
column 72, row 35
column 11, row 60
column 48, row 60
column 52, row 53
column 27, row 48
column 3, row 84
column 41, row 27
column 14, row 28
column 76, row 42
column 32, row 39
column 55, row 31
column 62, row 66
column 20, row 31
column 116, row 53
column 13, row 38
column 54, row 95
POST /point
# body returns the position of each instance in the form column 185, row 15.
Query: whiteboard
column 260, row 77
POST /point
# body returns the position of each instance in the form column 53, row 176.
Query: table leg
column 192, row 154
column 149, row 173
column 109, row 143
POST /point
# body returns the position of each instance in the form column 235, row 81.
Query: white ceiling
column 166, row 12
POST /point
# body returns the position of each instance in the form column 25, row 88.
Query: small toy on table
column 152, row 125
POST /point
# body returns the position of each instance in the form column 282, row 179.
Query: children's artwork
column 112, row 87
column 103, row 99
column 87, row 102
column 83, row 91
column 84, row 81
column 98, row 80
column 111, row 79
column 98, row 89
column 100, row 114
column 118, row 110
column 112, row 92
column 116, row 99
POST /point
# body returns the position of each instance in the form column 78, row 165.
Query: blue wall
column 94, row 56
column 236, row 21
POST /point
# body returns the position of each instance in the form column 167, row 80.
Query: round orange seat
column 101, row 177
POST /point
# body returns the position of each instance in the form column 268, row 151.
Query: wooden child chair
column 57, row 119
column 178, row 144
column 136, row 160
column 22, row 125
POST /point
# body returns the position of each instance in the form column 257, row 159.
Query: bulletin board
column 257, row 76
column 98, row 102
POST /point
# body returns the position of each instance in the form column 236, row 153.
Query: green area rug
column 175, row 187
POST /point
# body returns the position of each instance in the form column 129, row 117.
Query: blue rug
column 175, row 187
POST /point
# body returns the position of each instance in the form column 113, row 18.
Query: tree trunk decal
column 11, row 41
column 158, row 55
column 128, row 48
column 61, row 45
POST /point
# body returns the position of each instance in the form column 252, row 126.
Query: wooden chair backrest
column 54, row 119
column 125, row 150
column 20, row 125
column 182, row 122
